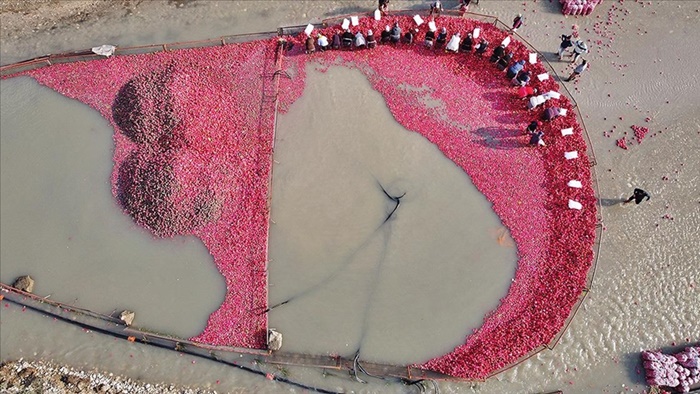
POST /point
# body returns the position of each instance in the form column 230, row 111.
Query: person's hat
column 443, row 30
column 520, row 15
column 369, row 31
column 387, row 28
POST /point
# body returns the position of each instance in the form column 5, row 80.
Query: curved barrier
column 270, row 98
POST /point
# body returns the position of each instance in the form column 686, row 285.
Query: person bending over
column 522, row 79
column 515, row 69
column 395, row 33
column 536, row 139
column 386, row 35
column 552, row 113
column 383, row 6
column 481, row 48
column 578, row 70
column 504, row 62
column 566, row 43
column 322, row 42
column 497, row 54
column 441, row 38
column 467, row 43
column 436, row 8
column 638, row 196
column 453, row 45
column 524, row 92
column 429, row 38
column 310, row 47
column 371, row 42
column 409, row 36
column 532, row 127
column 348, row 38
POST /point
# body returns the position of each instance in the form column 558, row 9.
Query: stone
column 274, row 339
column 24, row 283
column 127, row 317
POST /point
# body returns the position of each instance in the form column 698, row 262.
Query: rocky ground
column 45, row 377
column 23, row 18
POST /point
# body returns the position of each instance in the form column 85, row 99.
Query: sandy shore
column 646, row 289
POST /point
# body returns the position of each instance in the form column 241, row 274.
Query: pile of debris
column 578, row 7
column 679, row 371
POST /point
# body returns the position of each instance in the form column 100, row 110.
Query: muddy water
column 329, row 211
column 401, row 283
column 61, row 225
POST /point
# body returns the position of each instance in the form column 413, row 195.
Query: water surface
column 379, row 242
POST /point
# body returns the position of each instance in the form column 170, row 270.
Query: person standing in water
column 638, row 196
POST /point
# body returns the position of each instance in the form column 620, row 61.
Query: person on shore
column 522, row 79
column 371, row 42
column 578, row 70
column 348, row 38
column 336, row 41
column 310, row 47
column 481, row 47
column 536, row 139
column 436, row 8
column 503, row 62
column 566, row 43
column 552, row 113
column 383, row 6
column 395, row 33
column 322, row 42
column 580, row 48
column 453, row 44
column 360, row 41
column 386, row 35
column 524, row 92
column 467, row 43
column 464, row 5
column 638, row 196
column 515, row 69
column 517, row 22
column 497, row 54
column 441, row 38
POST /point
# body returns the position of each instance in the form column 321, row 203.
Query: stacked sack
column 578, row 7
column 679, row 371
